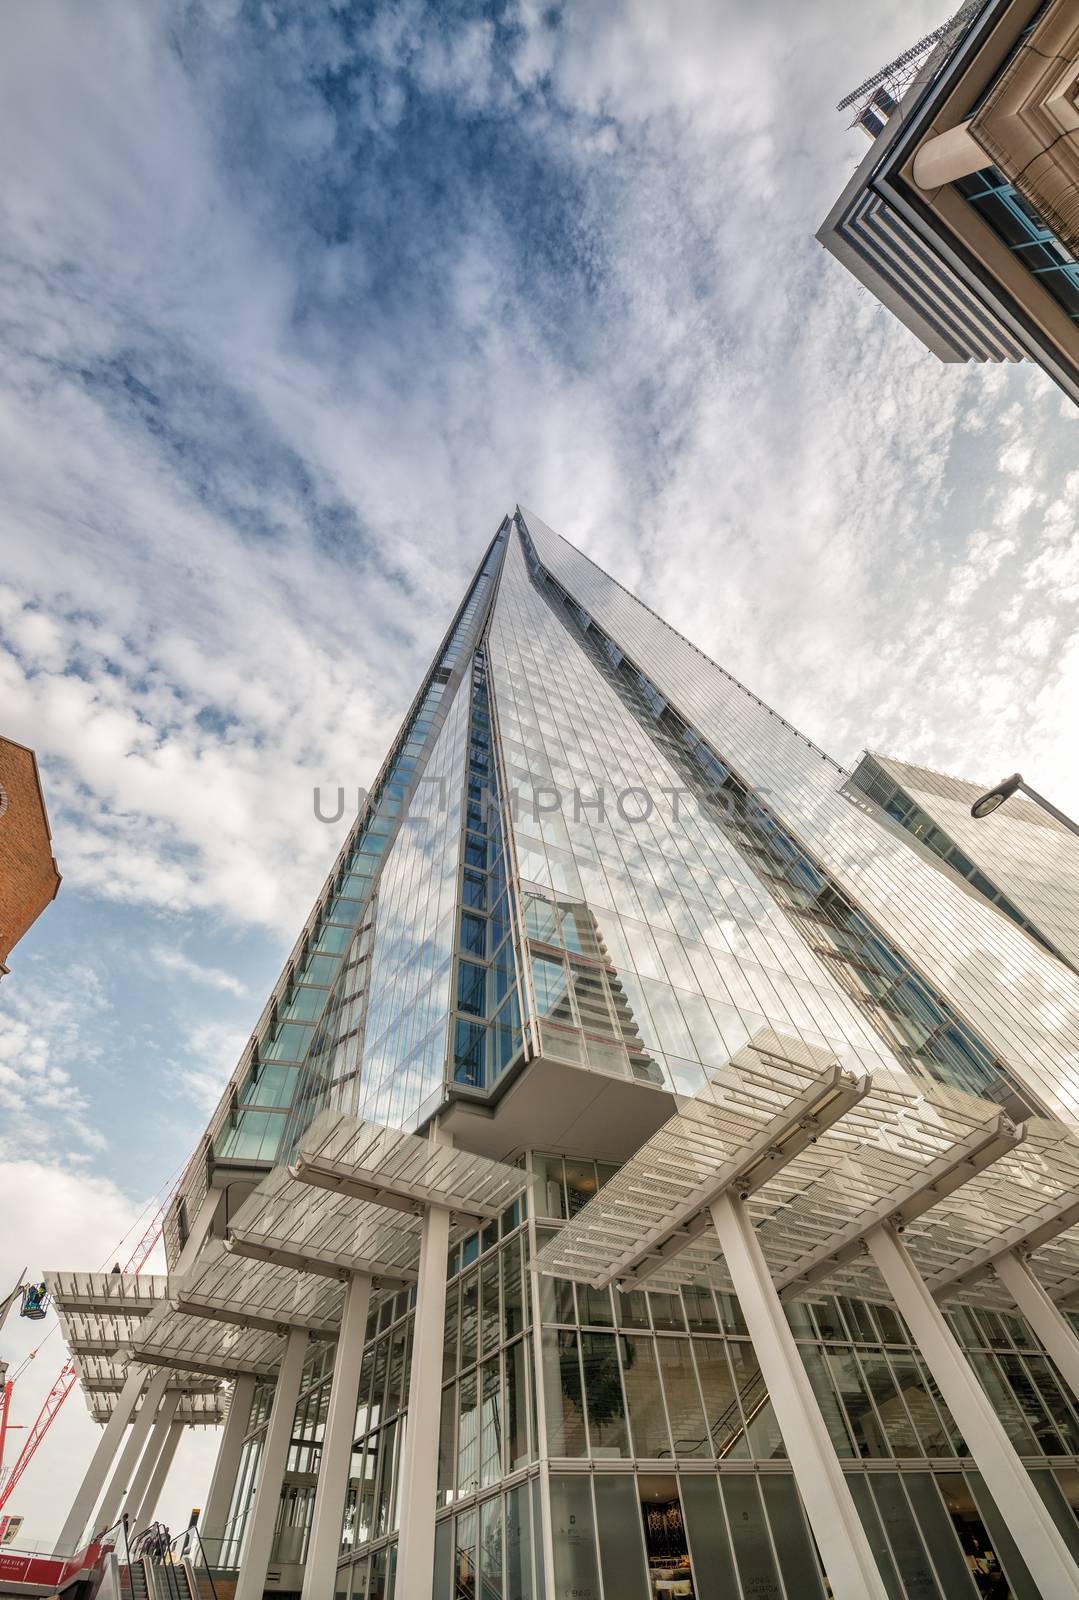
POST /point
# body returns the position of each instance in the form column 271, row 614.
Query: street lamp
column 987, row 803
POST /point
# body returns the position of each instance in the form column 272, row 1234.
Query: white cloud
column 46, row 1044
column 173, row 959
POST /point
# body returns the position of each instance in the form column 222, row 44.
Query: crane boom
column 53, row 1401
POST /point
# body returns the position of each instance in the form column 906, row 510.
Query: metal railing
column 184, row 1540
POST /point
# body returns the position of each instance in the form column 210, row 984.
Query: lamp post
column 991, row 801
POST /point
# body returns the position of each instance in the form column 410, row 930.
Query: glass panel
column 512, row 1290
column 468, row 1438
column 1004, row 1403
column 446, row 1446
column 576, row 1569
column 647, row 1419
column 465, row 1559
column 607, row 1430
column 752, row 1549
column 724, row 1418
column 516, row 1406
column 689, row 1431
column 709, row 1542
column 936, row 1529
column 765, row 1441
column 595, row 1307
column 443, row 1577
column 991, row 1551
column 562, row 1393
column 890, row 1407
column 469, row 1318
column 518, row 1545
column 1060, row 1491
column 491, row 1549
column 490, row 1423
column 927, row 1423
column 797, row 1554
column 900, row 1526
column 813, row 1358
column 1043, row 1375
column 492, row 1316
column 874, row 1532
column 621, row 1550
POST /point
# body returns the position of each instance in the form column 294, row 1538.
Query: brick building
column 29, row 877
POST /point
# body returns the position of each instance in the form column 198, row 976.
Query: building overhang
column 961, row 1181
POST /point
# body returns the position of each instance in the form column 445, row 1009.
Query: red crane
column 66, row 1381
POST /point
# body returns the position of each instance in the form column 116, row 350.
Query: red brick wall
column 28, row 875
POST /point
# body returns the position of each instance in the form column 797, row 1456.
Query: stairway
column 134, row 1584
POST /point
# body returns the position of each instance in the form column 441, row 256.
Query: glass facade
column 1022, row 860
column 611, row 864
column 667, row 1474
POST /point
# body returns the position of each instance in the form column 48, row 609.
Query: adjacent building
column 963, row 218
column 653, row 1174
column 29, row 878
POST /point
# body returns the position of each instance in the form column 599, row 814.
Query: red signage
column 51, row 1572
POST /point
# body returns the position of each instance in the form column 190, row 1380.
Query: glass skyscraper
column 594, row 870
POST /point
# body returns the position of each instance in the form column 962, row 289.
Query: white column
column 145, row 1513
column 419, row 1474
column 546, row 1531
column 200, row 1232
column 124, row 1470
column 93, row 1480
column 1033, row 1529
column 1052, row 1327
column 258, row 1539
column 833, row 1516
column 950, row 155
column 215, row 1515
column 148, row 1461
column 324, row 1545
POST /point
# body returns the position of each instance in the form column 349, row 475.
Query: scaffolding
column 888, row 86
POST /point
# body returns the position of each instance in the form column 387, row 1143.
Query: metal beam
column 189, row 1361
column 934, row 1182
column 393, row 1194
column 1041, row 1545
column 798, row 1125
column 833, row 1516
column 252, row 1319
column 255, row 1557
column 1052, row 1327
column 324, row 1544
column 336, row 1264
column 1027, row 1236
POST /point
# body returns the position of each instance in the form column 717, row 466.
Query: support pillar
column 124, row 1471
column 71, row 1533
column 1035, row 1533
column 200, row 1232
column 1052, row 1327
column 419, row 1480
column 258, row 1542
column 148, row 1461
column 947, row 156
column 145, row 1513
column 219, row 1500
column 833, row 1516
column 324, row 1545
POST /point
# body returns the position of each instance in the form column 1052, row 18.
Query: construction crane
column 68, row 1374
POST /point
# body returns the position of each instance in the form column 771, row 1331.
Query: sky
column 296, row 301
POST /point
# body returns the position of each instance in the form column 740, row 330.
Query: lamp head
column 986, row 804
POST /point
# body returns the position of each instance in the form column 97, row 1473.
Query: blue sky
column 295, row 302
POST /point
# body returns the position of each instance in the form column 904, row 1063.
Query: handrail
column 185, row 1536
